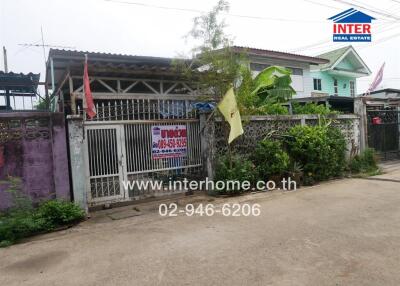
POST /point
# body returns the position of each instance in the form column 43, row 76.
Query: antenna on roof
column 43, row 45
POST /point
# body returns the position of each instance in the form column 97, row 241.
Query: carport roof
column 19, row 82
column 107, row 64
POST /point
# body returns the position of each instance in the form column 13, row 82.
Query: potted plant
column 296, row 173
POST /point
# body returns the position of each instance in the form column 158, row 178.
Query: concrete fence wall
column 256, row 128
column 33, row 150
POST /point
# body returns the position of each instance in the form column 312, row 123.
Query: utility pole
column 8, row 101
column 5, row 59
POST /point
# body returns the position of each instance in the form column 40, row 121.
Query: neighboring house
column 335, row 82
column 299, row 64
column 388, row 98
column 33, row 152
column 386, row 93
column 17, row 90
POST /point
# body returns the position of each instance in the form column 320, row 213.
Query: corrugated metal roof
column 108, row 57
column 19, row 82
column 280, row 55
column 107, row 64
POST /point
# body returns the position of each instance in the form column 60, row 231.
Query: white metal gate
column 119, row 151
column 104, row 163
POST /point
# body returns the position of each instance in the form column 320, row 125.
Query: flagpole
column 229, row 147
column 84, row 103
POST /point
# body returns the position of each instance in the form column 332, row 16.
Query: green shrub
column 270, row 159
column 366, row 162
column 274, row 109
column 320, row 149
column 55, row 213
column 312, row 108
column 268, row 109
column 16, row 223
column 236, row 168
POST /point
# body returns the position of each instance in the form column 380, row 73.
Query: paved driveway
column 341, row 233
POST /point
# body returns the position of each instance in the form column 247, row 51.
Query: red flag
column 89, row 108
column 377, row 80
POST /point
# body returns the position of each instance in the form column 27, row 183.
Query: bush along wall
column 23, row 220
column 234, row 168
column 316, row 153
column 321, row 150
column 270, row 160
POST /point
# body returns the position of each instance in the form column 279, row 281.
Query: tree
column 215, row 66
column 266, row 92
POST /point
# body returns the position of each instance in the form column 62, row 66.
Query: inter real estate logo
column 352, row 26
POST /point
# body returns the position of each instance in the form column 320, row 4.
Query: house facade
column 335, row 82
column 329, row 78
column 299, row 65
column 145, row 129
column 338, row 77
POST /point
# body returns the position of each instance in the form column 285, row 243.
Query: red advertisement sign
column 169, row 141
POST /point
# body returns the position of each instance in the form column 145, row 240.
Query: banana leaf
column 273, row 84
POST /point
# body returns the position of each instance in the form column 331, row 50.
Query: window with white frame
column 258, row 66
column 317, row 84
column 296, row 71
column 352, row 89
column 335, row 87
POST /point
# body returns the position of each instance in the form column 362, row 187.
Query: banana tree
column 273, row 85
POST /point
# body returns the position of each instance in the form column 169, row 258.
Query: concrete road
column 340, row 233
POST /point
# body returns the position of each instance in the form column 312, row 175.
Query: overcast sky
column 104, row 26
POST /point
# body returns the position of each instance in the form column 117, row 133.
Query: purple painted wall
column 34, row 149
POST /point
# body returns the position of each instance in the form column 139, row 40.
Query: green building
column 335, row 82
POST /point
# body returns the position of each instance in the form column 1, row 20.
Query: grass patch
column 365, row 164
column 19, row 223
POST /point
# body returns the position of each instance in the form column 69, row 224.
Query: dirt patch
column 38, row 263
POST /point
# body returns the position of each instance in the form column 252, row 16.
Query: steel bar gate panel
column 104, row 163
column 122, row 151
column 384, row 132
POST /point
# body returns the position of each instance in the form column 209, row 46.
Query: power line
column 375, row 9
column 318, row 44
column 385, row 39
column 202, row 12
column 321, row 44
column 368, row 9
column 323, row 5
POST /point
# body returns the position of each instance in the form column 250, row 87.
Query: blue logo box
column 352, row 37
